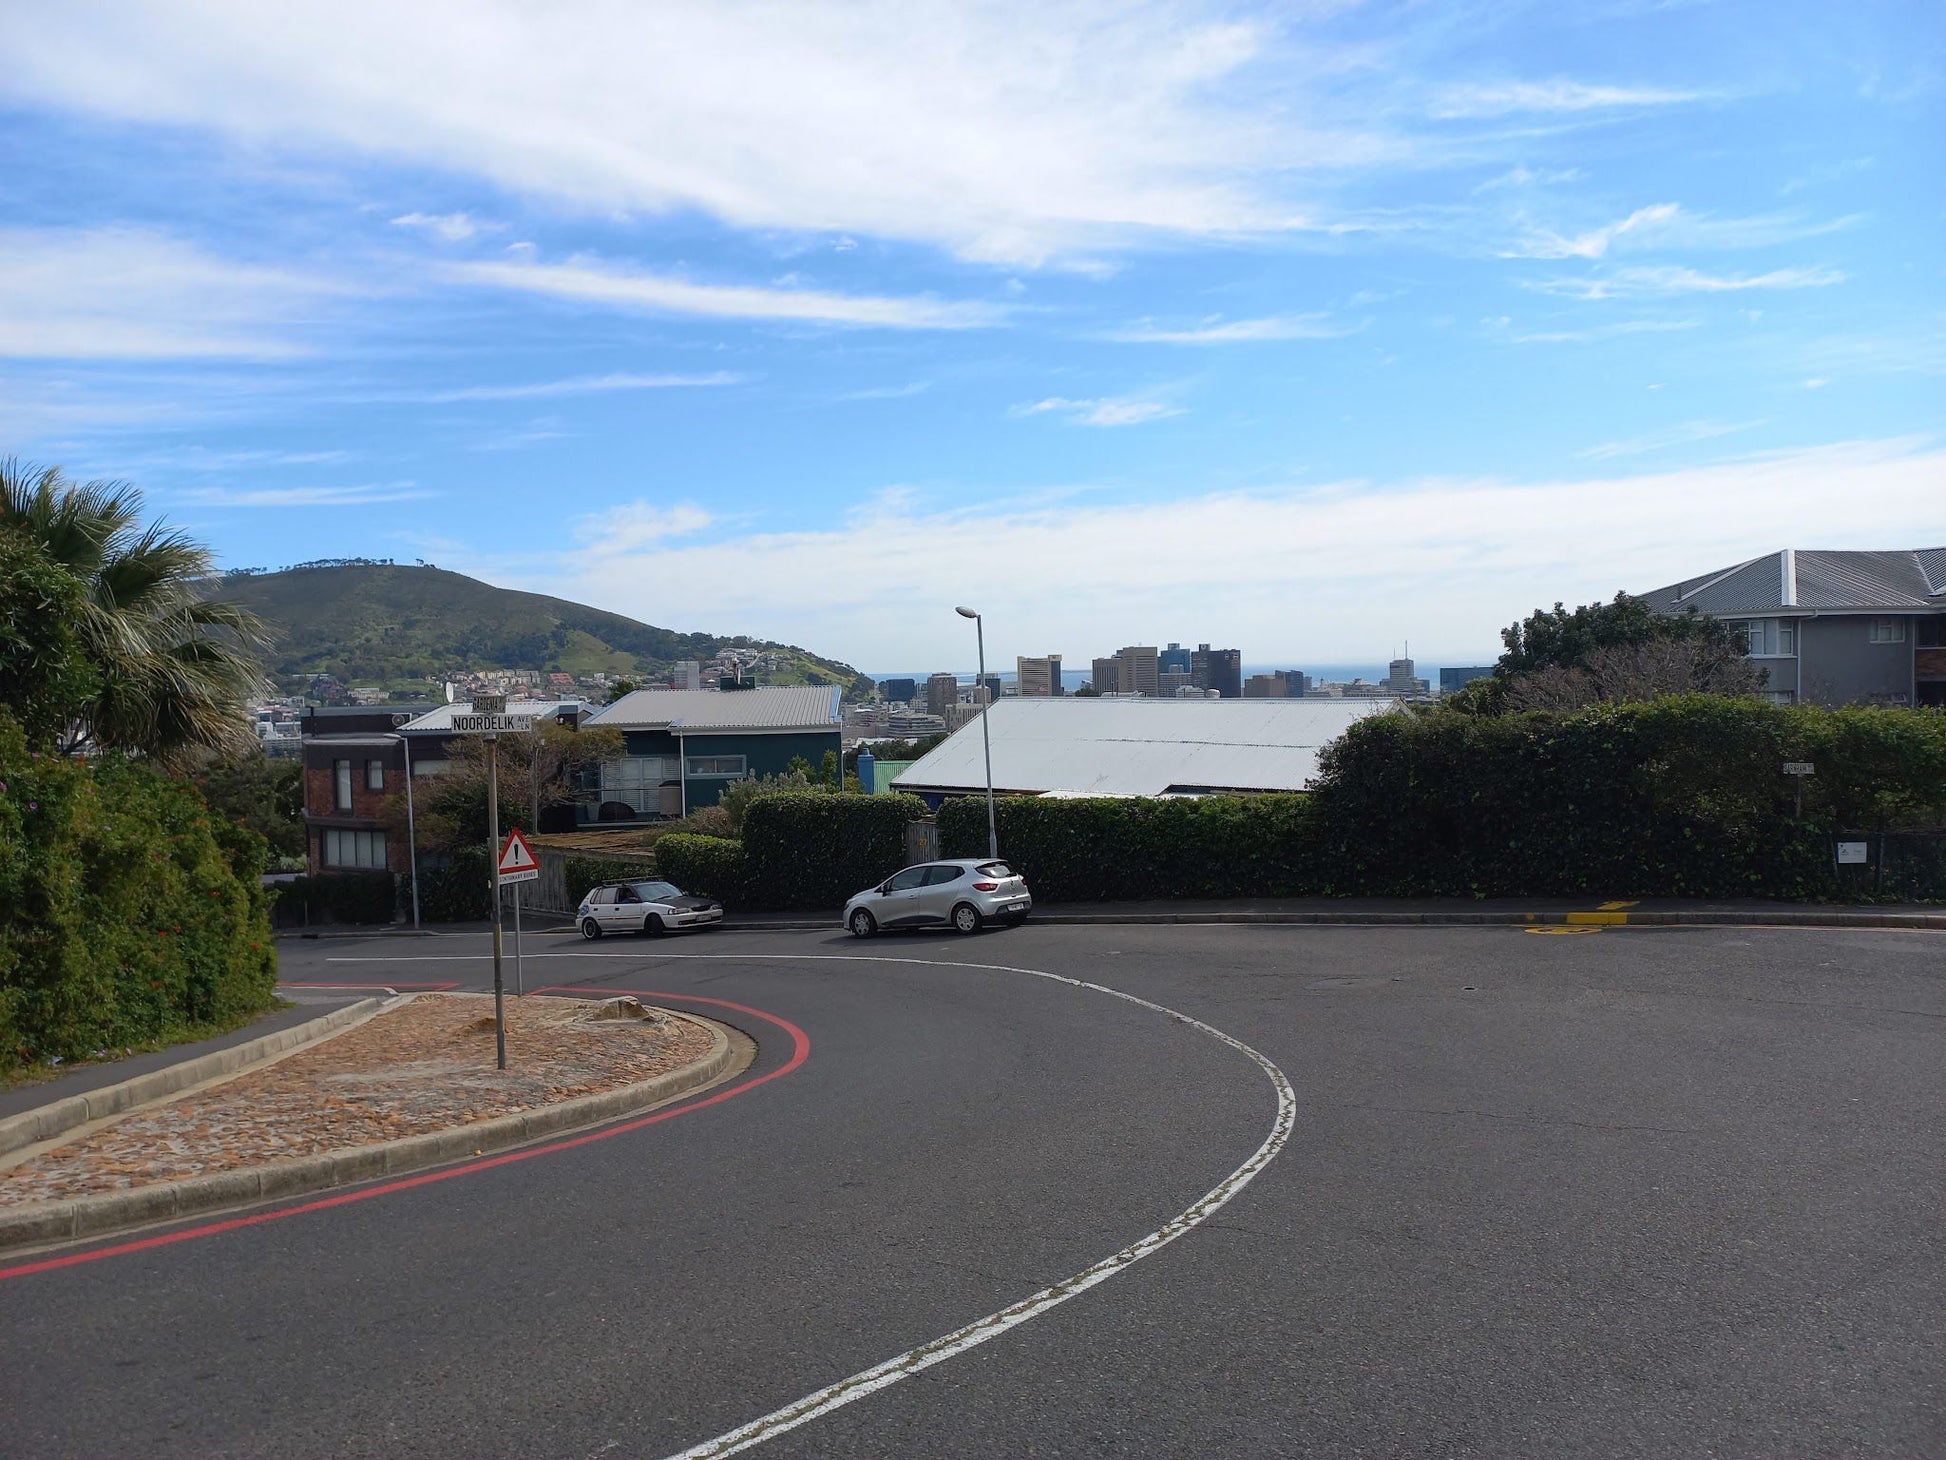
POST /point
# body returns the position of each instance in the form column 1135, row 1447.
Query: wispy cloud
column 577, row 385
column 1595, row 241
column 602, row 284
column 1492, row 99
column 1103, row 411
column 305, row 496
column 135, row 294
column 640, row 526
column 1238, row 331
column 1604, row 331
column 1641, row 283
column 1688, row 433
column 453, row 227
column 1530, row 177
column 888, row 392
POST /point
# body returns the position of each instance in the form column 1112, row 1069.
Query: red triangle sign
column 516, row 855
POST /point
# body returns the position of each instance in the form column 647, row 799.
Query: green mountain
column 378, row 623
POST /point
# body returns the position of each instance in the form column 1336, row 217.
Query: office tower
column 1039, row 678
column 898, row 691
column 942, row 692
column 991, row 684
column 1139, row 670
column 1217, row 669
column 1173, row 660
column 1108, row 676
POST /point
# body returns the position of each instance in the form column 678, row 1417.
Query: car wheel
column 590, row 929
column 652, row 925
column 863, row 924
column 966, row 918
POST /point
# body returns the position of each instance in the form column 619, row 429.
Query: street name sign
column 1799, row 768
column 490, row 704
column 492, row 724
column 517, row 860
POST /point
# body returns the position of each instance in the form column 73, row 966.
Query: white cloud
column 1104, row 411
column 577, row 385
column 658, row 292
column 639, row 527
column 1604, row 331
column 1596, row 241
column 1817, row 382
column 1685, row 434
column 1499, row 98
column 133, row 294
column 1530, row 177
column 888, row 392
column 453, row 227
column 1002, row 131
column 304, row 496
column 1332, row 572
column 1237, row 331
column 1640, row 283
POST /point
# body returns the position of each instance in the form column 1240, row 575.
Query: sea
column 1073, row 679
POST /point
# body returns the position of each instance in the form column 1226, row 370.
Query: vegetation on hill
column 383, row 623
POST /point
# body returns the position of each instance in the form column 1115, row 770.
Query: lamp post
column 986, row 737
column 411, row 828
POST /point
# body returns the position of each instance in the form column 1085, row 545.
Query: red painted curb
column 800, row 1051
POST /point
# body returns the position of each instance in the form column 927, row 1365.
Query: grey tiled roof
column 1903, row 580
column 782, row 707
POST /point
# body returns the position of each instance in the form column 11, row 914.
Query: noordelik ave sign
column 491, row 724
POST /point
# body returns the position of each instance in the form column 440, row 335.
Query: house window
column 1786, row 636
column 715, row 765
column 361, row 850
column 341, row 784
column 1886, row 631
column 1748, row 635
column 374, row 775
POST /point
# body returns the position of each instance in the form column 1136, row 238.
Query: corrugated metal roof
column 1114, row 747
column 441, row 719
column 779, row 707
column 1906, row 579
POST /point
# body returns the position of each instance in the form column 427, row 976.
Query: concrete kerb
column 115, row 1211
column 57, row 1117
column 1743, row 918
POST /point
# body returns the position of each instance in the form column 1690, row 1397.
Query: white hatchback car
column 643, row 907
column 964, row 894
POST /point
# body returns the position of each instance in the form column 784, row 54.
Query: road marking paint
column 800, row 1051
column 1618, row 906
column 1599, row 919
column 1560, row 932
column 912, row 1361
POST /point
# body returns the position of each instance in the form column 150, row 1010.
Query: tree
column 1564, row 638
column 619, row 687
column 255, row 791
column 46, row 679
column 1608, row 652
column 172, row 668
column 537, row 772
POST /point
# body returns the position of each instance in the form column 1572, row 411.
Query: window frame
column 341, row 786
column 692, row 767
column 374, row 775
column 892, row 883
column 354, row 849
column 1887, row 629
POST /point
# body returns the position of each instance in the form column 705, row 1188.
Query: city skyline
column 1329, row 325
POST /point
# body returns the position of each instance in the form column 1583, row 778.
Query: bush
column 1113, row 848
column 710, row 866
column 815, row 849
column 337, row 897
column 582, row 873
column 128, row 913
column 457, row 891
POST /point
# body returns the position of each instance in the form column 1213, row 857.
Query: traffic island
column 413, row 1086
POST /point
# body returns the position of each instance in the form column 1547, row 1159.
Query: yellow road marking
column 1560, row 931
column 1615, row 906
column 1601, row 919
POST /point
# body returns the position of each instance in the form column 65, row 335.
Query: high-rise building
column 1217, row 669
column 1108, row 677
column 1174, row 659
column 942, row 692
column 898, row 691
column 1139, row 669
column 1040, row 678
column 991, row 684
column 1402, row 681
column 686, row 674
column 1266, row 687
column 1171, row 682
column 1453, row 678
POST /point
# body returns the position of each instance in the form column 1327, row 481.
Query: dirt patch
column 426, row 1065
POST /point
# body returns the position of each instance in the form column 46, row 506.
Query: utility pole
column 493, row 864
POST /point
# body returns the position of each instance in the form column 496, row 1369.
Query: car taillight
column 986, row 886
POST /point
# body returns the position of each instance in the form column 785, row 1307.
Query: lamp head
column 966, row 613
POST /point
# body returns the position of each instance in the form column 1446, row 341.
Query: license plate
column 1016, row 907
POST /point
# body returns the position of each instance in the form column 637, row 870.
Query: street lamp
column 986, row 738
column 411, row 828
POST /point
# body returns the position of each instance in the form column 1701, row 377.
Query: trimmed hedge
column 1094, row 850
column 583, row 873
column 337, row 897
column 128, row 912
column 457, row 891
column 709, row 866
column 805, row 849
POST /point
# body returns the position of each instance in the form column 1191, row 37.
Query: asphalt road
column 1634, row 1192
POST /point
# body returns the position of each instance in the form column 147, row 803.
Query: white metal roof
column 773, row 707
column 1117, row 747
column 441, row 719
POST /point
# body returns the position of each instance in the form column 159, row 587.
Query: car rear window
column 995, row 869
column 938, row 875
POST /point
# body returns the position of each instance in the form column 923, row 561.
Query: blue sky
column 1307, row 328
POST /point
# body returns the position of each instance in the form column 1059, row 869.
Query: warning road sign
column 517, row 860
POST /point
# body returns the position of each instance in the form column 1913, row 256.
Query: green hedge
column 128, row 913
column 709, row 866
column 583, row 873
column 1680, row 797
column 1107, row 849
column 457, row 891
column 335, row 897
column 811, row 849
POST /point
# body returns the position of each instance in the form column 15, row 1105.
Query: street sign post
column 488, row 716
column 517, row 864
column 1797, row 770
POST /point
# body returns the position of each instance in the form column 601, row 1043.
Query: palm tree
column 174, row 666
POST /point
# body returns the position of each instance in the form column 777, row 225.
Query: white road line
column 912, row 1361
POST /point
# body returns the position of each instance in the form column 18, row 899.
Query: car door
column 622, row 910
column 944, row 884
column 898, row 905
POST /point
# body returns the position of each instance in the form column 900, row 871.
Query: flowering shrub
column 128, row 913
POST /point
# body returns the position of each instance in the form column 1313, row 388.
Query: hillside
column 378, row 623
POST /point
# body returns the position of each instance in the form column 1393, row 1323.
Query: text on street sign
column 1798, row 768
column 492, row 724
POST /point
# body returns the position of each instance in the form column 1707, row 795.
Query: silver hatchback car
column 964, row 894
